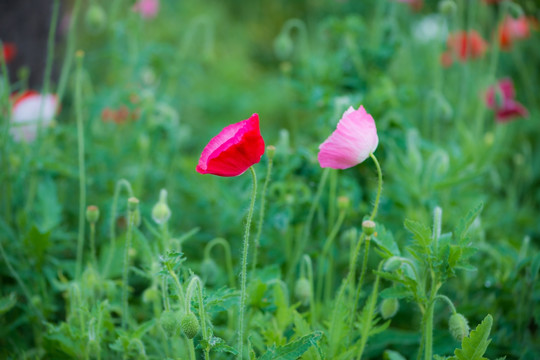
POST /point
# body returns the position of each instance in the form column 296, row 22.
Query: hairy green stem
column 243, row 275
column 70, row 50
column 256, row 242
column 125, row 272
column 122, row 183
column 93, row 243
column 82, row 169
column 196, row 281
column 448, row 301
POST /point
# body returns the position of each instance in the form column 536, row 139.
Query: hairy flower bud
column 302, row 290
column 447, row 7
column 170, row 323
column 92, row 214
column 458, row 326
column 389, row 308
column 283, row 46
column 161, row 212
column 270, row 151
column 95, row 18
column 150, row 295
column 190, row 325
column 343, row 203
column 368, row 227
column 133, row 204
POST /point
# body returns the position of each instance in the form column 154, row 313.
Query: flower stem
column 125, row 272
column 196, row 281
column 244, row 265
column 256, row 243
column 228, row 257
column 68, row 57
column 122, row 183
column 379, row 187
column 82, row 174
column 93, row 243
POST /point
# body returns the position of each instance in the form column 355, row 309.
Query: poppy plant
column 26, row 111
column 148, row 9
column 501, row 98
column 352, row 142
column 234, row 150
column 415, row 5
column 463, row 46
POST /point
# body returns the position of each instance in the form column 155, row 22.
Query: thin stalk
column 70, row 50
column 82, row 173
column 244, row 265
column 427, row 320
column 308, row 266
column 179, row 289
column 256, row 243
column 196, row 281
column 360, row 283
column 93, row 243
column 122, row 183
column 191, row 348
column 448, row 301
column 125, row 272
column 379, row 187
column 165, row 294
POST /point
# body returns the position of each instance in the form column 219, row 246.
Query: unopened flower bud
column 150, row 295
column 392, row 264
column 92, row 214
column 447, row 7
column 343, row 203
column 283, row 46
column 190, row 325
column 169, row 321
column 389, row 308
column 133, row 204
column 458, row 326
column 368, row 227
column 95, row 18
column 270, row 151
column 161, row 212
column 302, row 290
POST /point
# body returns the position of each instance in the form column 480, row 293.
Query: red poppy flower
column 462, row 46
column 236, row 148
column 500, row 98
column 514, row 29
column 415, row 5
column 9, row 51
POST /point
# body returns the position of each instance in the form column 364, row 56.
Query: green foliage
column 474, row 346
column 292, row 350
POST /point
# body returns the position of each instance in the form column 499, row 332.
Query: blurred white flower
column 430, row 28
column 26, row 112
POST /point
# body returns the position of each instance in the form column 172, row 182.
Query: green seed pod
column 392, row 264
column 343, row 203
column 302, row 290
column 270, row 151
column 95, row 18
column 169, row 321
column 389, row 308
column 458, row 326
column 368, row 227
column 190, row 325
column 161, row 213
column 92, row 214
column 133, row 204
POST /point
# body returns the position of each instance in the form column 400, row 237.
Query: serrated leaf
column 422, row 233
column 385, row 240
column 292, row 350
column 474, row 346
column 465, row 223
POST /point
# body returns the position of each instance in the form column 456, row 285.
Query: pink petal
column 351, row 143
column 510, row 110
column 505, row 86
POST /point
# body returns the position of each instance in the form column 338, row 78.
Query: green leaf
column 385, row 240
column 292, row 350
column 392, row 355
column 396, row 292
column 36, row 244
column 465, row 223
column 422, row 233
column 474, row 346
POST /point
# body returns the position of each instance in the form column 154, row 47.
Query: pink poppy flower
column 512, row 29
column 500, row 98
column 236, row 148
column 147, row 8
column 352, row 142
column 26, row 111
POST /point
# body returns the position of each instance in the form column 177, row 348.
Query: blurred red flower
column 463, row 46
column 415, row 5
column 501, row 98
column 9, row 51
column 512, row 29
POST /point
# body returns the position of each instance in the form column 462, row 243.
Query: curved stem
column 82, row 174
column 244, row 265
column 125, row 272
column 196, row 281
column 122, row 183
column 379, row 187
column 228, row 258
column 256, row 243
column 448, row 301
